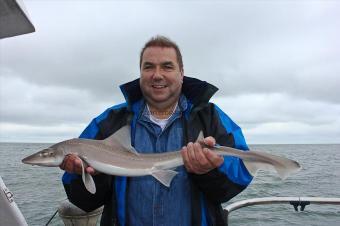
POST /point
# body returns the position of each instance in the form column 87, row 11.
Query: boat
column 9, row 211
column 296, row 202
column 14, row 20
column 74, row 216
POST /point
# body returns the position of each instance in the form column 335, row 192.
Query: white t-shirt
column 161, row 122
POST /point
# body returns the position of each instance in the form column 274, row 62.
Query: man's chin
column 161, row 100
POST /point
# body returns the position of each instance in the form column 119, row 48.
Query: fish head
column 52, row 156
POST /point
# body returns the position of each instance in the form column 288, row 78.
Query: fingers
column 209, row 141
column 72, row 164
column 200, row 160
column 186, row 161
column 91, row 171
column 202, row 164
column 214, row 159
column 190, row 159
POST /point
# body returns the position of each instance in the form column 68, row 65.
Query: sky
column 276, row 64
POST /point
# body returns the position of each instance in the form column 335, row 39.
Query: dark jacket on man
column 213, row 188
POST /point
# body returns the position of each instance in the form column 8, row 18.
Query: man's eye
column 168, row 67
column 147, row 67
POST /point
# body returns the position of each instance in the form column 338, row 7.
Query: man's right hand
column 72, row 164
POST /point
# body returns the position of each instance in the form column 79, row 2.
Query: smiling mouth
column 159, row 86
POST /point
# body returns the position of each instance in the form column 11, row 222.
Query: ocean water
column 38, row 190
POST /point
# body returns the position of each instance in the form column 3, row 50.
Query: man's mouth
column 158, row 86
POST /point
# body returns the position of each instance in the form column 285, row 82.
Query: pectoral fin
column 164, row 176
column 87, row 180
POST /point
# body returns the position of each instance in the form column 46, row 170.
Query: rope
column 51, row 218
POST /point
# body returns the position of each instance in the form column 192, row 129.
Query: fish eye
column 44, row 154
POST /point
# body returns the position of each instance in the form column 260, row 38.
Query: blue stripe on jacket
column 233, row 167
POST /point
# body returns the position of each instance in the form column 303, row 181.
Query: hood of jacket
column 195, row 90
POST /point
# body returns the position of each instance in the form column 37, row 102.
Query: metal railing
column 294, row 201
column 72, row 215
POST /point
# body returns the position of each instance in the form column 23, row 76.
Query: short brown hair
column 162, row 41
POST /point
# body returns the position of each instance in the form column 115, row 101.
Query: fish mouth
column 36, row 159
column 31, row 160
column 27, row 160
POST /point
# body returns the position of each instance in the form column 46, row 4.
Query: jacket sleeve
column 232, row 177
column 73, row 184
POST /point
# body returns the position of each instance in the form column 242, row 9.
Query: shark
column 115, row 156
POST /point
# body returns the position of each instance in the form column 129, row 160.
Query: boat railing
column 72, row 215
column 296, row 202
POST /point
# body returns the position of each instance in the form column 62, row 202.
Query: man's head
column 161, row 69
column 161, row 41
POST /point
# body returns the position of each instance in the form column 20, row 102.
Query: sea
column 38, row 190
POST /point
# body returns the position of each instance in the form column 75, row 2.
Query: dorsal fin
column 122, row 137
column 200, row 136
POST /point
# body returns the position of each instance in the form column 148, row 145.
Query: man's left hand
column 200, row 160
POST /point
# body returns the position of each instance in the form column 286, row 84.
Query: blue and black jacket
column 209, row 190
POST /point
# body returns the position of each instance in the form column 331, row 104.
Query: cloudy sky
column 277, row 64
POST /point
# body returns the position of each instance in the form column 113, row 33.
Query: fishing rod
column 49, row 221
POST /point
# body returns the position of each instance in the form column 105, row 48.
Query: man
column 166, row 111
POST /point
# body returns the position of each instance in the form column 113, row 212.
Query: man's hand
column 72, row 164
column 200, row 160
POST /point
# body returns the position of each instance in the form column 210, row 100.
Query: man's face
column 161, row 77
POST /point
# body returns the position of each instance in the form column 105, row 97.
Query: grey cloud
column 251, row 47
column 69, row 70
column 29, row 104
column 293, row 133
column 12, row 132
column 280, row 108
column 278, row 118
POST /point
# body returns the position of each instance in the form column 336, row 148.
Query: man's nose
column 157, row 73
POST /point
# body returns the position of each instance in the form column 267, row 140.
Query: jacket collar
column 196, row 91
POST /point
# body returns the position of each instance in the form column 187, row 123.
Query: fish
column 115, row 156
